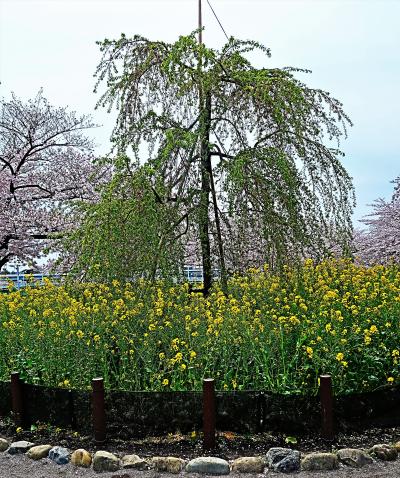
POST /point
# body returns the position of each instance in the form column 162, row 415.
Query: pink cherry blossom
column 46, row 161
column 380, row 243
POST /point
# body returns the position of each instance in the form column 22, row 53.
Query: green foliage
column 243, row 153
column 128, row 233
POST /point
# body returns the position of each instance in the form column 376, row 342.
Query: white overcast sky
column 352, row 48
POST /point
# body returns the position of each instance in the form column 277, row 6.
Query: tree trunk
column 224, row 278
column 207, row 186
column 205, row 169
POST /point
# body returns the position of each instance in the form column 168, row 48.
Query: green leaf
column 290, row 439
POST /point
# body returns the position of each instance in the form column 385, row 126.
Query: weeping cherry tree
column 231, row 148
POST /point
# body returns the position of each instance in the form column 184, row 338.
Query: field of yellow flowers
column 276, row 333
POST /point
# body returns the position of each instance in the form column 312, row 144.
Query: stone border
column 277, row 459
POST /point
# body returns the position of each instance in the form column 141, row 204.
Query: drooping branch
column 190, row 106
column 224, row 278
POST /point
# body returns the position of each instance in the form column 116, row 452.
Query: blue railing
column 21, row 280
column 191, row 273
column 195, row 273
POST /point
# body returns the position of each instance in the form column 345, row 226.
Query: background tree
column 380, row 243
column 128, row 233
column 45, row 161
column 234, row 147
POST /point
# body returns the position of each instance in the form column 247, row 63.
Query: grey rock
column 319, row 462
column 170, row 464
column 59, row 455
column 38, row 452
column 133, row 461
column 4, row 444
column 20, row 447
column 105, row 461
column 354, row 457
column 248, row 464
column 284, row 460
column 384, row 452
column 209, row 465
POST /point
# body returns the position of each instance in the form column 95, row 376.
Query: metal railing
column 21, row 280
column 193, row 273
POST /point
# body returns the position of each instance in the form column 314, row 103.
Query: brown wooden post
column 17, row 399
column 208, row 414
column 98, row 410
column 326, row 395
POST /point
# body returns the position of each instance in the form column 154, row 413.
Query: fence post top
column 208, row 380
column 98, row 384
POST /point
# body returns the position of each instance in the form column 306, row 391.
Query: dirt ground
column 21, row 466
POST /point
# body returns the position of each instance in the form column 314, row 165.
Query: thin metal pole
column 98, row 410
column 200, row 25
column 326, row 395
column 208, row 414
column 17, row 399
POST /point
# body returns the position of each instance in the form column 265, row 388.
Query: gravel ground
column 23, row 467
column 229, row 447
